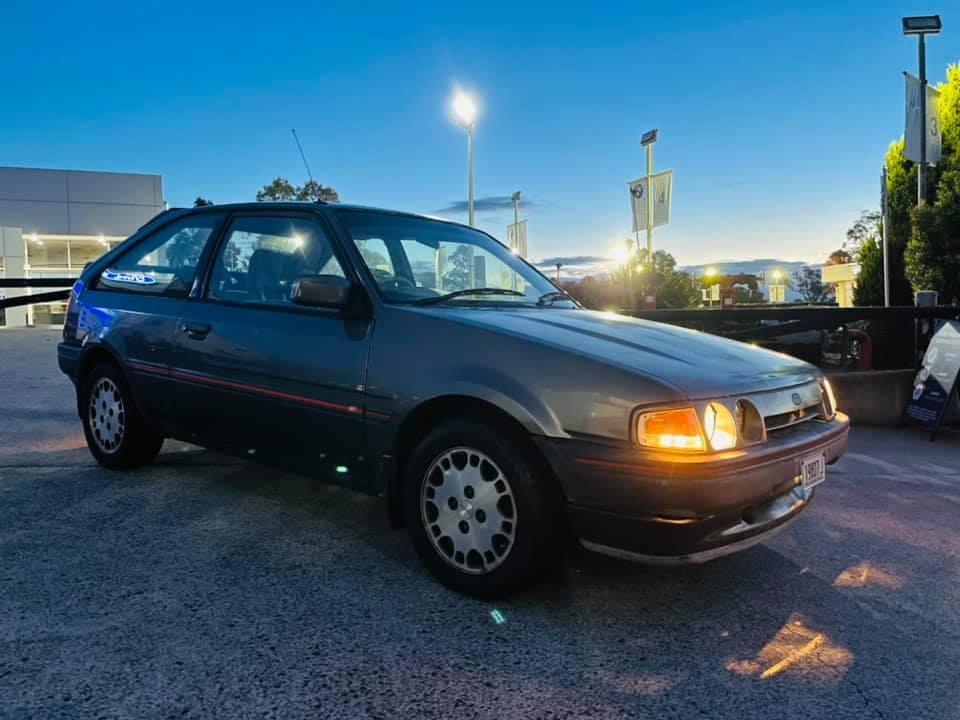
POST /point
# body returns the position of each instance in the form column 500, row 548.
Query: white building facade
column 53, row 222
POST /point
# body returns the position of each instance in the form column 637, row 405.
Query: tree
column 863, row 246
column 282, row 189
column 628, row 282
column 458, row 276
column 678, row 290
column 901, row 199
column 812, row 289
column 315, row 192
column 202, row 202
column 839, row 257
column 924, row 242
column 869, row 288
column 932, row 253
column 279, row 189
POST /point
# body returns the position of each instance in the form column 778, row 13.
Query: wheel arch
column 92, row 355
column 443, row 408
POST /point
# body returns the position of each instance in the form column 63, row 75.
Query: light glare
column 464, row 109
column 719, row 427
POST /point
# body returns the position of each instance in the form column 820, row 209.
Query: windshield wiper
column 468, row 291
column 551, row 297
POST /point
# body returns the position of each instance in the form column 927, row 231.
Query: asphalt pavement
column 204, row 586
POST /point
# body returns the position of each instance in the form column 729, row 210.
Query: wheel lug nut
column 468, row 491
column 464, row 527
column 452, row 503
column 481, row 516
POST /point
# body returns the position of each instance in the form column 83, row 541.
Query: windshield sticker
column 129, row 277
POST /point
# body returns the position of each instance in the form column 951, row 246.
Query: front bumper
column 68, row 358
column 663, row 509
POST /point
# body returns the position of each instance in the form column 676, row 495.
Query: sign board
column 936, row 384
column 778, row 293
column 913, row 123
column 517, row 238
column 662, row 197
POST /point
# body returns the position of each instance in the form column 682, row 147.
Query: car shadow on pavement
column 843, row 638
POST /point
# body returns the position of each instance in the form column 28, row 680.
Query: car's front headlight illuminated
column 670, row 430
column 719, row 427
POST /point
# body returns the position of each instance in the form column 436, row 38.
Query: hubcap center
column 467, row 510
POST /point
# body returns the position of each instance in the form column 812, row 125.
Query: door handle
column 197, row 331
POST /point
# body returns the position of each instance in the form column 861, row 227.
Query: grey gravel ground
column 205, row 586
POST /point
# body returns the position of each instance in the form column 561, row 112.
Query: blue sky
column 773, row 116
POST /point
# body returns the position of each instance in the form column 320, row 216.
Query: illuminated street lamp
column 465, row 115
column 713, row 292
column 778, row 290
column 921, row 26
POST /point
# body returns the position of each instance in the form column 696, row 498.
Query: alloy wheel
column 468, row 510
column 106, row 415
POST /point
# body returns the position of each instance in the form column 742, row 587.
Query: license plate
column 813, row 470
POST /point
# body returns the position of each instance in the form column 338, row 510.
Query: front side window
column 417, row 260
column 166, row 262
column 262, row 258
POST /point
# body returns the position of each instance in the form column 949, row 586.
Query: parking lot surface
column 207, row 586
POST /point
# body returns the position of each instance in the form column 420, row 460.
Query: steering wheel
column 400, row 282
column 386, row 279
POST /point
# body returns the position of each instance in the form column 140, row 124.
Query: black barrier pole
column 36, row 282
column 31, row 299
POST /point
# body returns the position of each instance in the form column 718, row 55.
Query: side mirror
column 326, row 291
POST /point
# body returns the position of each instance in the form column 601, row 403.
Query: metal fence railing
column 857, row 337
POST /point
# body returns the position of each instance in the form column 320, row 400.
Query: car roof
column 306, row 204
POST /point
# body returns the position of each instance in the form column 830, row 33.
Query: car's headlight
column 670, row 430
column 831, row 399
column 719, row 427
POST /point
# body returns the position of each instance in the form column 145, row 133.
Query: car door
column 135, row 302
column 257, row 374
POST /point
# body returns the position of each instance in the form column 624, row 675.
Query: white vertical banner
column 517, row 238
column 913, row 123
column 662, row 200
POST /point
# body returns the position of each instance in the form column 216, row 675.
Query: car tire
column 117, row 435
column 469, row 486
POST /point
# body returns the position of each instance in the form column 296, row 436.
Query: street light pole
column 650, row 202
column 883, row 236
column 647, row 141
column 921, row 26
column 922, row 170
column 470, row 175
column 465, row 114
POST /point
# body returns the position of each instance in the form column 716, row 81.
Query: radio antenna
column 302, row 156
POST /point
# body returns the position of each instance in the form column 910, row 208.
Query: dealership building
column 53, row 222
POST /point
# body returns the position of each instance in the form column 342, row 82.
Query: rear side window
column 262, row 258
column 165, row 262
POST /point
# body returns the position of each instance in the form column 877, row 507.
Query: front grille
column 780, row 409
column 784, row 420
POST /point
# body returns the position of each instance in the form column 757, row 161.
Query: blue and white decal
column 135, row 278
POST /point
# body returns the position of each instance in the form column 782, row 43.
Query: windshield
column 416, row 260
